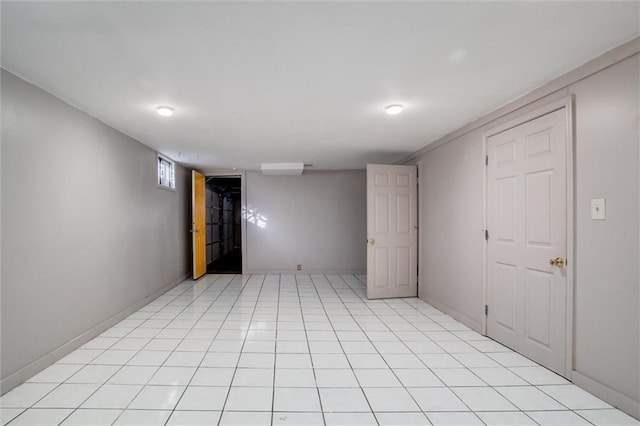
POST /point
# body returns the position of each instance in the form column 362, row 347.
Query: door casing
column 243, row 206
column 420, row 168
column 567, row 104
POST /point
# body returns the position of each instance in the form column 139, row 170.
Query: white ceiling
column 287, row 82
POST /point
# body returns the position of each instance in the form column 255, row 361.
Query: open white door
column 392, row 231
column 527, row 247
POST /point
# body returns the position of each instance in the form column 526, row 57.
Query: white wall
column 317, row 220
column 607, row 300
column 86, row 232
column 451, row 221
column 607, row 317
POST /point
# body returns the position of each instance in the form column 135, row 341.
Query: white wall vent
column 282, row 169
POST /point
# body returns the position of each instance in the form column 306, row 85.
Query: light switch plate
column 598, row 209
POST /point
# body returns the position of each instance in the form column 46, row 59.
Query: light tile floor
column 296, row 350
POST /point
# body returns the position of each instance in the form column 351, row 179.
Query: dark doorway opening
column 224, row 231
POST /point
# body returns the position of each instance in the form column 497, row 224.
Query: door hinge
column 486, row 160
column 486, row 235
column 486, row 309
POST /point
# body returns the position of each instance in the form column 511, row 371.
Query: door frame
column 566, row 103
column 243, row 205
column 419, row 171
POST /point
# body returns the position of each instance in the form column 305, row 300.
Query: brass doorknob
column 372, row 241
column 558, row 261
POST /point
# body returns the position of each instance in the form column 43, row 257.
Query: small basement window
column 166, row 173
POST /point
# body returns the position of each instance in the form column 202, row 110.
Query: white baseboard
column 25, row 373
column 618, row 400
column 309, row 272
column 471, row 323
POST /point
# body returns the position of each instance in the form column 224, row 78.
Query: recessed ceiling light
column 164, row 111
column 394, row 109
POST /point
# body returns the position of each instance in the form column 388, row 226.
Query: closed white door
column 527, row 245
column 392, row 231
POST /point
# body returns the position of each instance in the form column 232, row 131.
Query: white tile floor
column 296, row 350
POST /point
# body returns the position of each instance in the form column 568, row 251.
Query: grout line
column 340, row 343
column 517, row 409
column 89, row 363
column 220, row 293
column 181, row 340
column 158, row 367
column 324, row 299
column 275, row 351
column 304, row 325
column 412, row 353
column 245, row 336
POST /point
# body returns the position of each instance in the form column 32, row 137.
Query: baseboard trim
column 471, row 323
column 618, row 400
column 309, row 272
column 25, row 373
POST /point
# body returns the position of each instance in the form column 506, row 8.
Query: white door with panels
column 392, row 231
column 527, row 239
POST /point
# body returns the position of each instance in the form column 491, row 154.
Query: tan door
column 392, row 242
column 527, row 217
column 198, row 228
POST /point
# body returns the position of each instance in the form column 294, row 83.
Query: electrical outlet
column 299, row 267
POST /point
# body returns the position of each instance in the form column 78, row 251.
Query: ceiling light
column 164, row 111
column 394, row 109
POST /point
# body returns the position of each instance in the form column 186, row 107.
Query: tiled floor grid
column 296, row 350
